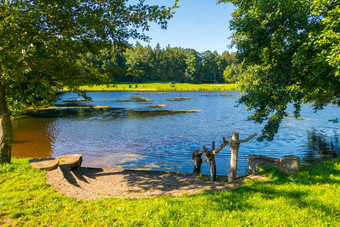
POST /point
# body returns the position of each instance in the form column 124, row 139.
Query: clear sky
column 198, row 24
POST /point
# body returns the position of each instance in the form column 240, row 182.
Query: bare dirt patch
column 93, row 183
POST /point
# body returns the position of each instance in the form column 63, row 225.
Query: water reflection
column 105, row 113
column 80, row 112
column 321, row 145
column 138, row 162
column 33, row 137
column 134, row 135
column 144, row 113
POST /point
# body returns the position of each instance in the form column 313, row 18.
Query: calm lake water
column 132, row 135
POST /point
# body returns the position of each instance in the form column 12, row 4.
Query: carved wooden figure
column 210, row 155
column 197, row 157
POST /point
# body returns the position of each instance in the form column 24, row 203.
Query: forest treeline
column 172, row 64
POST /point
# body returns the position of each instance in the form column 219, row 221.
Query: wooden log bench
column 289, row 164
column 44, row 163
column 256, row 161
column 286, row 164
column 72, row 161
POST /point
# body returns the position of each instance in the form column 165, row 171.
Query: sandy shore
column 94, row 183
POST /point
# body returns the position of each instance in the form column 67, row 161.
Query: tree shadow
column 139, row 181
column 295, row 189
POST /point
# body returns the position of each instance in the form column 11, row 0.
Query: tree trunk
column 5, row 129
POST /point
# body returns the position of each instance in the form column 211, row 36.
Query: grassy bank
column 162, row 87
column 310, row 198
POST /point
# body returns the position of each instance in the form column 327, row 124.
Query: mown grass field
column 310, row 198
column 162, row 87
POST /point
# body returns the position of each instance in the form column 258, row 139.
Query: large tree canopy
column 43, row 44
column 290, row 51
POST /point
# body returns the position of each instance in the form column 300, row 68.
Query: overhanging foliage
column 291, row 54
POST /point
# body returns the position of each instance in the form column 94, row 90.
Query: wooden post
column 234, row 146
column 233, row 157
column 197, row 157
column 211, row 157
column 212, row 168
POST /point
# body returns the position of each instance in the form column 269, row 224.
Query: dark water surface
column 132, row 135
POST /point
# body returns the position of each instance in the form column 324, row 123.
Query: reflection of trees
column 32, row 137
column 322, row 145
column 77, row 111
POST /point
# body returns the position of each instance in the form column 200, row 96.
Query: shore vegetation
column 159, row 87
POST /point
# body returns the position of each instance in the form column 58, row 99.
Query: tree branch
column 245, row 140
column 225, row 143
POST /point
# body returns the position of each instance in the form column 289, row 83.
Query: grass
column 309, row 198
column 161, row 87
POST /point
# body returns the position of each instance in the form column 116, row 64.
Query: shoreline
column 95, row 183
column 156, row 87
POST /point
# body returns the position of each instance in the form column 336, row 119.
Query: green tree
column 111, row 61
column 148, row 62
column 228, row 74
column 43, row 44
column 232, row 73
column 157, row 71
column 229, row 58
column 291, row 53
column 134, row 62
column 173, row 64
column 193, row 65
column 210, row 64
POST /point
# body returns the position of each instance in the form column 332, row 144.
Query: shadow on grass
column 299, row 191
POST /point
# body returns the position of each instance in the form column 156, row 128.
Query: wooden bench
column 72, row 161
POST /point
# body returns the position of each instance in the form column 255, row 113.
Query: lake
column 135, row 135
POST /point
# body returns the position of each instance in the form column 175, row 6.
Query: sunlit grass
column 161, row 87
column 310, row 198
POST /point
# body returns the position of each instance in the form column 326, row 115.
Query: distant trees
column 143, row 63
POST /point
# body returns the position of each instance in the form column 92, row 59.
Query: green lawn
column 162, row 87
column 310, row 198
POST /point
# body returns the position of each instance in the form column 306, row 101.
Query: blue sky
column 198, row 24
